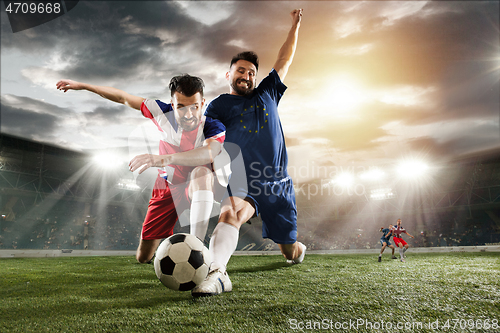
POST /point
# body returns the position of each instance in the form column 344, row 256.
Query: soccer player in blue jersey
column 250, row 114
column 189, row 141
column 385, row 241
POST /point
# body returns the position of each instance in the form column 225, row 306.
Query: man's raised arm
column 287, row 51
column 113, row 94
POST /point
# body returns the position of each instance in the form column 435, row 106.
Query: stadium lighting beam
column 107, row 160
column 412, row 169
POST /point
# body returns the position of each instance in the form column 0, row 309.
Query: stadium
column 58, row 205
column 387, row 110
column 57, row 199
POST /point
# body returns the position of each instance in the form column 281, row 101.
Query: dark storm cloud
column 445, row 45
column 103, row 116
column 431, row 149
column 261, row 26
column 452, row 51
column 37, row 120
column 107, row 39
column 477, row 137
column 26, row 123
column 35, row 105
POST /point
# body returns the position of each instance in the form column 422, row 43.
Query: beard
column 188, row 125
column 242, row 91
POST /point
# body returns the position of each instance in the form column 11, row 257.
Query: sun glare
column 344, row 180
column 344, row 95
column 412, row 168
column 108, row 161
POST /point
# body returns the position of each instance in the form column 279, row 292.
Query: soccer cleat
column 402, row 260
column 300, row 258
column 394, row 257
column 379, row 259
column 215, row 283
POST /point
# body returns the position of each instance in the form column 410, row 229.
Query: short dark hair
column 248, row 56
column 186, row 84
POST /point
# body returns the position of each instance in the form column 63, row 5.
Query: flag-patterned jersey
column 173, row 139
column 397, row 231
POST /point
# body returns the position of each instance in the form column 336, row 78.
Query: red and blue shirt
column 397, row 231
column 173, row 139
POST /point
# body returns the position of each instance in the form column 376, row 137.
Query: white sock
column 401, row 253
column 201, row 208
column 222, row 245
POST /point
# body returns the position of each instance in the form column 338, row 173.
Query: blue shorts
column 275, row 201
column 383, row 239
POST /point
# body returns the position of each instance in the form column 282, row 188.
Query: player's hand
column 66, row 85
column 147, row 161
column 296, row 15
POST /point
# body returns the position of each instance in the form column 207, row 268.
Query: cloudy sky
column 371, row 82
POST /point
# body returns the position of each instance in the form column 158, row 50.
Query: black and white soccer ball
column 182, row 262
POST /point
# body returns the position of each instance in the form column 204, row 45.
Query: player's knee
column 202, row 178
column 201, row 171
column 230, row 217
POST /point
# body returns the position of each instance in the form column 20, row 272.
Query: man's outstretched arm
column 194, row 157
column 287, row 51
column 113, row 94
column 408, row 234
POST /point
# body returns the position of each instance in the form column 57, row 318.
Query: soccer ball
column 182, row 262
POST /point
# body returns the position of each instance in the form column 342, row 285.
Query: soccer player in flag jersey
column 250, row 114
column 396, row 232
column 189, row 143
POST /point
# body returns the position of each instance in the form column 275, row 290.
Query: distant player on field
column 385, row 241
column 250, row 114
column 403, row 246
column 189, row 141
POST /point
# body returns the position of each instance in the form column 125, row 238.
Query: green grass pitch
column 459, row 292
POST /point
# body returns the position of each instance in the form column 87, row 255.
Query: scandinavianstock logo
column 27, row 14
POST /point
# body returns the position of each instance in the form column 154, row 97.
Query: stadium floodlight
column 128, row 185
column 382, row 194
column 412, row 169
column 373, row 175
column 345, row 179
column 108, row 160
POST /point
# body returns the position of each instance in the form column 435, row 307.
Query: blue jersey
column 386, row 231
column 252, row 122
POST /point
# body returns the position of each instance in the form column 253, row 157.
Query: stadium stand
column 52, row 198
